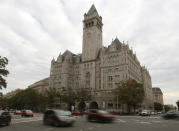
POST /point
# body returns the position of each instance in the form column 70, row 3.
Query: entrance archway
column 93, row 105
column 82, row 106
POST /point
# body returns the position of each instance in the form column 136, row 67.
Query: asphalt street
column 122, row 123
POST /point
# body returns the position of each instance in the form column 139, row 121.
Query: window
column 87, row 80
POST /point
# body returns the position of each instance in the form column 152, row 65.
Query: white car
column 145, row 113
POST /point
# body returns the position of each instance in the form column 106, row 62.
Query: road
column 122, row 123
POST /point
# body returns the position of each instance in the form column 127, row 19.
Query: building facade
column 12, row 93
column 41, row 85
column 157, row 95
column 99, row 69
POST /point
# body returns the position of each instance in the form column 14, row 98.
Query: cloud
column 32, row 33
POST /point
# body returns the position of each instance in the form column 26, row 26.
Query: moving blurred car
column 171, row 115
column 17, row 112
column 27, row 113
column 5, row 118
column 58, row 118
column 144, row 113
column 99, row 116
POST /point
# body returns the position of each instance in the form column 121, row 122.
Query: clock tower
column 92, row 34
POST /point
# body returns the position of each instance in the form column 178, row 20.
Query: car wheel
column 89, row 119
column 45, row 122
column 71, row 124
column 56, row 124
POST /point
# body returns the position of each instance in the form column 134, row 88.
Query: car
column 5, row 118
column 17, row 112
column 99, row 116
column 153, row 113
column 27, row 113
column 76, row 113
column 171, row 115
column 57, row 117
column 144, row 113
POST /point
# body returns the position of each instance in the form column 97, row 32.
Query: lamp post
column 117, row 102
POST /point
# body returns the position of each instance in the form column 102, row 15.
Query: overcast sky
column 32, row 32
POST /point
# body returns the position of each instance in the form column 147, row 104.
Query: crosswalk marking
column 119, row 120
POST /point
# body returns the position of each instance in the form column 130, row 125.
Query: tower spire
column 92, row 10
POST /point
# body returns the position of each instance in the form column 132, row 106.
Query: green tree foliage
column 3, row 102
column 71, row 97
column 177, row 104
column 3, row 72
column 27, row 99
column 82, row 94
column 51, row 96
column 167, row 108
column 158, row 106
column 129, row 92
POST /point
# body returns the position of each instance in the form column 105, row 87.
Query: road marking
column 48, row 129
column 144, row 122
column 90, row 128
column 156, row 121
column 119, row 120
column 26, row 121
column 136, row 120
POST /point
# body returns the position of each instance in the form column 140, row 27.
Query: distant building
column 41, row 85
column 157, row 95
column 12, row 93
column 99, row 69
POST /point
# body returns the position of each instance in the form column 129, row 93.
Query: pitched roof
column 92, row 10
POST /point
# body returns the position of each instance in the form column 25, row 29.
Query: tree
column 177, row 104
column 167, row 108
column 3, row 72
column 27, row 99
column 158, row 106
column 52, row 94
column 81, row 96
column 71, row 97
column 129, row 92
column 3, row 102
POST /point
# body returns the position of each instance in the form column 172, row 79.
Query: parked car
column 76, row 113
column 115, row 112
column 28, row 113
column 144, row 113
column 171, row 115
column 5, row 117
column 153, row 113
column 58, row 118
column 99, row 116
column 17, row 112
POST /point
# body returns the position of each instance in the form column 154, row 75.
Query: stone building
column 41, row 85
column 12, row 93
column 99, row 69
column 157, row 95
